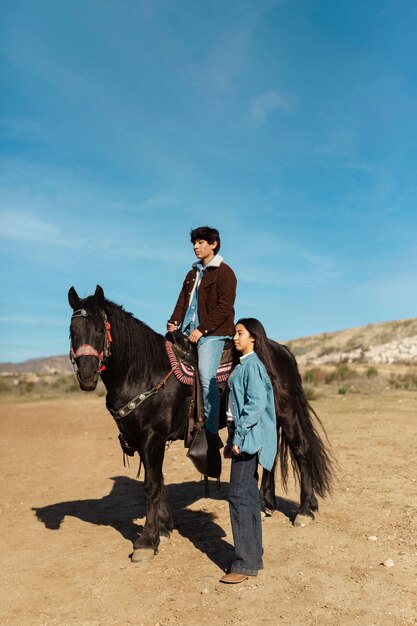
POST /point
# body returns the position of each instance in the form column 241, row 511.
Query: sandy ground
column 70, row 510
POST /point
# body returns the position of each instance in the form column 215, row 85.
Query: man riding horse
column 204, row 312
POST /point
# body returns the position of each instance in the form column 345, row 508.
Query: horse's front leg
column 158, row 516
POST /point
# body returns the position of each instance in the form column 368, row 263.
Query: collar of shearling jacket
column 215, row 262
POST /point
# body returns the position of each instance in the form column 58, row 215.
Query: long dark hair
column 262, row 348
column 257, row 332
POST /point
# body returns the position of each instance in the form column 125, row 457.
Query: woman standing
column 252, row 439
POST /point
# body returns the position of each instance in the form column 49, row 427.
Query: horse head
column 90, row 337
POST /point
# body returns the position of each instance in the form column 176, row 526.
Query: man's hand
column 171, row 327
column 227, row 452
column 195, row 336
column 235, row 450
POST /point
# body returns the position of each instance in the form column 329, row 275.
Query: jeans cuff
column 247, row 572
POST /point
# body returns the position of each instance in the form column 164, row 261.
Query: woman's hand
column 235, row 450
column 171, row 327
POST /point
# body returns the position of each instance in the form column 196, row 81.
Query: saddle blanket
column 185, row 372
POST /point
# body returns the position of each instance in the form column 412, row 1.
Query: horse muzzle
column 87, row 373
column 86, row 386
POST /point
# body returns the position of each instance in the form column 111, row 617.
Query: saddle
column 203, row 446
column 182, row 355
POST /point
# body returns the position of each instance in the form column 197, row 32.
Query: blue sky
column 289, row 125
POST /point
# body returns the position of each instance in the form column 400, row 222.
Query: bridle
column 86, row 350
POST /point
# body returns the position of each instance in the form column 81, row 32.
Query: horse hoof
column 303, row 520
column 141, row 555
column 163, row 539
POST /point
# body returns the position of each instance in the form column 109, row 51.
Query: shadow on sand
column 125, row 503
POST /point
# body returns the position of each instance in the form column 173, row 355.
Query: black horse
column 150, row 409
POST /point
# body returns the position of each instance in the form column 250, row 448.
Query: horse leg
column 308, row 500
column 267, row 491
column 165, row 520
column 158, row 516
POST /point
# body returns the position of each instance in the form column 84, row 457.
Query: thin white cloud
column 26, row 227
column 262, row 105
column 283, row 262
column 141, row 251
column 217, row 73
column 285, row 275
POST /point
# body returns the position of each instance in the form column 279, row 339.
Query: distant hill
column 386, row 342
column 46, row 365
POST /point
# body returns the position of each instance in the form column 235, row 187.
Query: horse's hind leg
column 267, row 491
column 158, row 516
column 308, row 500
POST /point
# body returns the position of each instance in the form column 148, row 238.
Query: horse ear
column 99, row 295
column 73, row 298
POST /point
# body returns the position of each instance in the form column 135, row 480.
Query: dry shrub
column 310, row 393
column 404, row 381
column 314, row 376
column 371, row 372
column 341, row 373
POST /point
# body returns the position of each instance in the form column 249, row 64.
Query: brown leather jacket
column 216, row 299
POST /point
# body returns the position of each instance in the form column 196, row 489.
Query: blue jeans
column 245, row 514
column 209, row 355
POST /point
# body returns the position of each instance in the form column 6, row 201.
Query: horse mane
column 136, row 346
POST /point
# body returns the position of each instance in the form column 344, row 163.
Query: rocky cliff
column 387, row 342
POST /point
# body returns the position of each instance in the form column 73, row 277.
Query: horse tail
column 317, row 452
column 320, row 456
column 283, row 450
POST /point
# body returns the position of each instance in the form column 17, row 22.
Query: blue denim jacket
column 255, row 427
